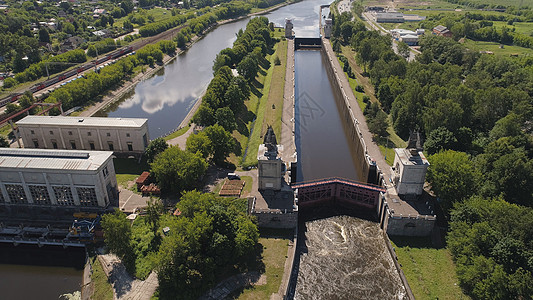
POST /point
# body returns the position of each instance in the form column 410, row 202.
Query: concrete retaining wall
column 350, row 123
column 409, row 225
column 276, row 219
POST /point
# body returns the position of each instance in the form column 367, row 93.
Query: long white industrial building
column 57, row 178
column 120, row 135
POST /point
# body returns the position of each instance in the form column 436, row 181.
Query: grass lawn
column 158, row 14
column 275, row 246
column 274, row 105
column 102, row 287
column 429, row 271
column 127, row 169
column 495, row 47
column 261, row 108
column 177, row 133
column 353, row 84
column 520, row 27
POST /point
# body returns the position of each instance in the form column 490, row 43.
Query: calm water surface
column 166, row 98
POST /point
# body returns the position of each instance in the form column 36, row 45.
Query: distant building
column 410, row 167
column 420, row 31
column 389, row 17
column 270, row 166
column 71, row 43
column 442, row 31
column 410, row 39
column 127, row 136
column 104, row 33
column 31, row 178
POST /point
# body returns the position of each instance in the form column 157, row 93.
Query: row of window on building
column 74, row 146
column 41, row 196
column 70, row 133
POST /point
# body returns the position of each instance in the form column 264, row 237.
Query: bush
column 359, row 88
column 9, row 82
column 366, row 99
column 277, row 61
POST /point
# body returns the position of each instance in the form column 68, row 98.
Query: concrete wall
column 419, row 225
column 276, row 219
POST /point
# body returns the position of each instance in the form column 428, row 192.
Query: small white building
column 409, row 39
column 57, row 178
column 121, row 135
column 410, row 167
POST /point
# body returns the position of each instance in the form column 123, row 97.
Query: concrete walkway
column 287, row 118
column 181, row 140
column 124, row 286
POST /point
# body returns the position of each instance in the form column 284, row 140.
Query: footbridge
column 337, row 191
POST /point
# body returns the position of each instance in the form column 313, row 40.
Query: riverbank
column 114, row 96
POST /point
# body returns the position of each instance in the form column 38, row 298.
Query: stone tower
column 270, row 165
column 327, row 28
column 288, row 28
column 410, row 167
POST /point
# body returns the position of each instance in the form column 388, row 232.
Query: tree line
column 475, row 112
column 211, row 236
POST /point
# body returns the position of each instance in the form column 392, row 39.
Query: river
column 166, row 98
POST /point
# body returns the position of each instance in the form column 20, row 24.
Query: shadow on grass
column 130, row 166
column 412, row 242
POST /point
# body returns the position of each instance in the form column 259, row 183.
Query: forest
column 475, row 113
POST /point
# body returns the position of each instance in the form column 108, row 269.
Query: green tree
column 403, row 49
column 176, row 170
column 154, row 210
column 225, row 118
column 379, row 124
column 440, row 139
column 4, row 143
column 452, row 176
column 154, row 148
column 248, row 68
column 222, row 142
column 117, row 236
column 44, row 36
column 199, row 143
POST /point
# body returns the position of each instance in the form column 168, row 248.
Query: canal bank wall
column 365, row 164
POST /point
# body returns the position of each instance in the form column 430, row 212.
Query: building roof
column 52, row 159
column 389, row 15
column 440, row 28
column 82, row 121
column 408, row 159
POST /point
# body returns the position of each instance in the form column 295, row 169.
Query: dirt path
column 124, row 286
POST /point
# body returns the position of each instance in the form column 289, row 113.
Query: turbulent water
column 345, row 258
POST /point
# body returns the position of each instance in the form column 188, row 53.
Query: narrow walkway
column 181, row 140
column 287, row 118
